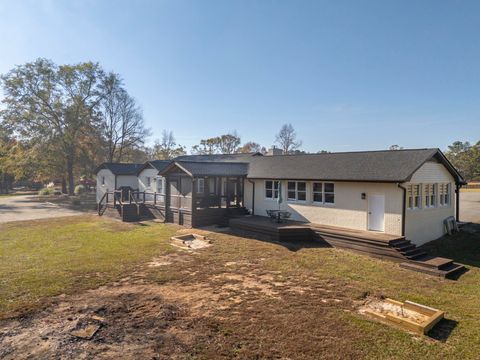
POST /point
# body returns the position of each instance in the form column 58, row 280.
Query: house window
column 429, row 195
column 317, row 192
column 160, row 187
column 297, row 191
column 103, row 180
column 414, row 196
column 444, row 194
column 149, row 181
column 323, row 193
column 200, row 186
column 271, row 189
column 329, row 193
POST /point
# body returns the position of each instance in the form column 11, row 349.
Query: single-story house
column 402, row 192
column 113, row 176
column 149, row 180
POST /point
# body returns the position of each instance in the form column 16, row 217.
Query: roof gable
column 120, row 168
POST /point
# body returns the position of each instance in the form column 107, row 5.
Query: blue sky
column 349, row 75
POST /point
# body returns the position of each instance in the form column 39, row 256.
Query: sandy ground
column 470, row 206
column 23, row 207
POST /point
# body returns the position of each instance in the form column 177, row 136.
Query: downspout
column 457, row 207
column 404, row 204
column 253, row 195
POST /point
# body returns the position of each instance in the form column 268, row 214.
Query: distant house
column 112, row 176
column 149, row 180
column 405, row 192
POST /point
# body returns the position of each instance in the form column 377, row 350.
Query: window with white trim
column 296, row 191
column 444, row 194
column 414, row 196
column 149, row 181
column 329, row 193
column 317, row 192
column 160, row 185
column 103, row 180
column 271, row 189
column 323, row 193
column 200, row 186
column 430, row 195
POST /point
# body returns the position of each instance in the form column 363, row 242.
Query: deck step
column 433, row 262
column 445, row 272
column 414, row 254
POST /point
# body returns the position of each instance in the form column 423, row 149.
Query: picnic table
column 279, row 215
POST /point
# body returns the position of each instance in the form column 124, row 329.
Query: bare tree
column 167, row 147
column 287, row 139
column 123, row 120
column 395, row 147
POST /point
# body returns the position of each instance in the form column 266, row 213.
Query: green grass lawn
column 49, row 257
column 40, row 259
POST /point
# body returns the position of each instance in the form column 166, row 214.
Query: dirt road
column 23, row 207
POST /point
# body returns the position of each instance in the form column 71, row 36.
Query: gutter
column 404, row 207
column 253, row 195
column 457, row 207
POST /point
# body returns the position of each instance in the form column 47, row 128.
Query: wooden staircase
column 388, row 246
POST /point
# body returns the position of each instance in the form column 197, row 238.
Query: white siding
column 154, row 179
column 109, row 184
column 127, row 180
column 426, row 224
column 349, row 210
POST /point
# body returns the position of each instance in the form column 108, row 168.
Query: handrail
column 130, row 198
column 100, row 213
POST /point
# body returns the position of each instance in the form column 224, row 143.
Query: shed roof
column 158, row 165
column 120, row 168
column 375, row 166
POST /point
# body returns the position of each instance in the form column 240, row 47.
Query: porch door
column 376, row 212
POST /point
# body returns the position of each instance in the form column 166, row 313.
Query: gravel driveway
column 470, row 206
column 17, row 208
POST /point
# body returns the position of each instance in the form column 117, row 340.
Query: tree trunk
column 71, row 181
column 64, row 185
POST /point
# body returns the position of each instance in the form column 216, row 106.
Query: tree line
column 61, row 121
column 58, row 122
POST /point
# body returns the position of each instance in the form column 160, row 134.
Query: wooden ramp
column 377, row 244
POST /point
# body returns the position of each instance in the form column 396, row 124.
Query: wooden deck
column 291, row 230
column 371, row 243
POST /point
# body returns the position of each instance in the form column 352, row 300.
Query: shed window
column 160, row 187
column 103, row 180
column 323, row 193
column 149, row 181
column 297, row 191
column 430, row 195
column 200, row 186
column 444, row 194
column 271, row 189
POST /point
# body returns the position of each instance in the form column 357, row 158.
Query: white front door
column 376, row 212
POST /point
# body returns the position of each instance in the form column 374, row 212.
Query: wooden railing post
column 155, row 198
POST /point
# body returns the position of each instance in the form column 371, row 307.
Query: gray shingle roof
column 378, row 166
column 219, row 157
column 120, row 168
column 156, row 164
column 211, row 168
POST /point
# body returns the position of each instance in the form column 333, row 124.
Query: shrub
column 79, row 189
column 46, row 191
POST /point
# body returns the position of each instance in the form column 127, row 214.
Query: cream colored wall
column 142, row 182
column 348, row 211
column 426, row 224
column 109, row 183
column 127, row 180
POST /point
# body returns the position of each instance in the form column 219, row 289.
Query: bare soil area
column 233, row 308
